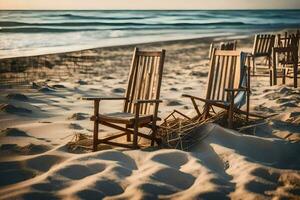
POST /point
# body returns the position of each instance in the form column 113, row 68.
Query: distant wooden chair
column 262, row 47
column 141, row 102
column 287, row 39
column 228, row 85
column 230, row 45
column 286, row 57
column 286, row 60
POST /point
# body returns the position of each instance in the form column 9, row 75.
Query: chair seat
column 261, row 54
column 124, row 118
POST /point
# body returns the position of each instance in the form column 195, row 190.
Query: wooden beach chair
column 228, row 85
column 287, row 39
column 262, row 48
column 230, row 45
column 285, row 59
column 141, row 102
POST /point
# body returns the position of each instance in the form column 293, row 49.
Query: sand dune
column 223, row 165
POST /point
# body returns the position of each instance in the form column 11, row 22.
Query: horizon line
column 236, row 9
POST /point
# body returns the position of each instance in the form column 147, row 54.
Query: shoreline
column 210, row 38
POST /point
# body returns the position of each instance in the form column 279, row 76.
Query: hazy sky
column 149, row 4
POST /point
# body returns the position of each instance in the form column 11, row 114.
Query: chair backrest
column 144, row 80
column 287, row 40
column 285, row 55
column 229, row 45
column 263, row 44
column 227, row 71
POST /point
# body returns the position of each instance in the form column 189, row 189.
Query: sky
column 147, row 4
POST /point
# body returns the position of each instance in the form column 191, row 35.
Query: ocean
column 40, row 32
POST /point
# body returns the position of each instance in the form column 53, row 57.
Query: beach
column 42, row 110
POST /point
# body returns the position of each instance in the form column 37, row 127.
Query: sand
column 38, row 121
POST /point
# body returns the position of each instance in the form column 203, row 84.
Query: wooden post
column 96, row 124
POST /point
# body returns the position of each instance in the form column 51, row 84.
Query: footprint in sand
column 75, row 126
column 17, row 96
column 78, row 116
column 172, row 159
column 188, row 88
column 58, row 86
column 173, row 103
column 30, row 149
column 199, row 74
column 14, row 132
column 81, row 82
column 118, row 90
column 46, row 90
column 11, row 109
column 174, row 178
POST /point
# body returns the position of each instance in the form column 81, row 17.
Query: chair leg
column 135, row 135
column 253, row 65
column 283, row 74
column 154, row 130
column 274, row 69
column 128, row 136
column 96, row 125
column 248, row 106
column 230, row 111
column 296, row 74
column 206, row 111
column 270, row 70
column 230, row 114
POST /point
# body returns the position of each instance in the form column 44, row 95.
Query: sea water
column 38, row 32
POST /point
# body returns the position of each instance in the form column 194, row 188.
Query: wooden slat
column 264, row 44
column 224, row 77
column 135, row 84
column 153, row 80
column 151, row 65
column 211, row 74
column 130, row 79
column 221, row 67
column 260, row 43
column 216, row 77
column 141, row 81
column 144, row 76
column 149, row 53
column 255, row 45
column 227, row 53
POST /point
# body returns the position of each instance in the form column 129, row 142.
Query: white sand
column 36, row 164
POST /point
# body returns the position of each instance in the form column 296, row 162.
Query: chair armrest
column 147, row 101
column 194, row 97
column 236, row 89
column 103, row 98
